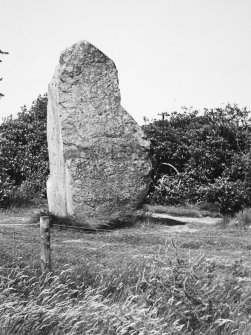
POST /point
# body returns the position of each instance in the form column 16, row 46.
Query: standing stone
column 99, row 156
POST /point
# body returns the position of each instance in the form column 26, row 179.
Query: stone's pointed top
column 76, row 45
column 66, row 54
column 83, row 42
column 79, row 44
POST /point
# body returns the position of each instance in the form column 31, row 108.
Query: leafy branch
column 2, row 53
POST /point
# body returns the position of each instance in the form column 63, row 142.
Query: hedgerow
column 202, row 158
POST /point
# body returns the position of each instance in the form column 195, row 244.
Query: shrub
column 211, row 153
column 228, row 196
column 24, row 155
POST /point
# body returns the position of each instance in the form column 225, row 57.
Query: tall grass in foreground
column 159, row 296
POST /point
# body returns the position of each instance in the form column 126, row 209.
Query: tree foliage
column 2, row 53
column 210, row 152
column 24, row 155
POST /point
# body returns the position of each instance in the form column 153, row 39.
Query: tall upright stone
column 99, row 156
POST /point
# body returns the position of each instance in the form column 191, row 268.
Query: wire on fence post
column 45, row 243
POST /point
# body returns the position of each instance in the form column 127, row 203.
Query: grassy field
column 152, row 278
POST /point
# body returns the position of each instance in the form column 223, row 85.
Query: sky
column 169, row 53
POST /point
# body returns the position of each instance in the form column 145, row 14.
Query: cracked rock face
column 99, row 157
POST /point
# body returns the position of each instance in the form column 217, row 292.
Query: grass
column 145, row 279
column 242, row 220
column 160, row 297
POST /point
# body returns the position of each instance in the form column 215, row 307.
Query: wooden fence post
column 45, row 243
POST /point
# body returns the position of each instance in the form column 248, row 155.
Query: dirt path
column 182, row 219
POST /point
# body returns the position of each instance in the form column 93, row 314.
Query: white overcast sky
column 169, row 53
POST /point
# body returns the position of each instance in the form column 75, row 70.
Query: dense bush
column 24, row 154
column 210, row 153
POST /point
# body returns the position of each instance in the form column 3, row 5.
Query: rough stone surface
column 99, row 157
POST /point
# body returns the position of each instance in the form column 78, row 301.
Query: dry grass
column 159, row 297
column 243, row 218
column 241, row 221
column 147, row 279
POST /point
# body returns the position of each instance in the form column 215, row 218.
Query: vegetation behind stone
column 198, row 158
column 24, row 155
column 202, row 158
